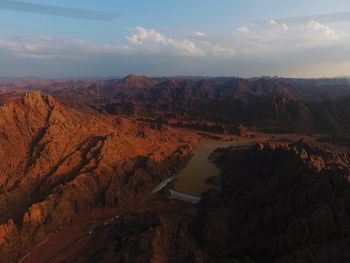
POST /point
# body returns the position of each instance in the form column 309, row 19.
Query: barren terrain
column 79, row 160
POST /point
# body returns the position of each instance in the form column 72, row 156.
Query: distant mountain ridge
column 307, row 105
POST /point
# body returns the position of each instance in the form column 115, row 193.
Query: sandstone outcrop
column 58, row 162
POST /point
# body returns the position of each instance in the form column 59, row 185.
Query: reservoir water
column 193, row 178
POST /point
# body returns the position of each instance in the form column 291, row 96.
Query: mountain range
column 80, row 160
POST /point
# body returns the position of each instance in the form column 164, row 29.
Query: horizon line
column 122, row 76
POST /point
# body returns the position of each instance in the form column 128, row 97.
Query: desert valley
column 87, row 166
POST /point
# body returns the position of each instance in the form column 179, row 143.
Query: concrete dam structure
column 185, row 197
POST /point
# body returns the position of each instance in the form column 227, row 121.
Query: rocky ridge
column 58, row 162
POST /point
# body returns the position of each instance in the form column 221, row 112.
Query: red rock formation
column 58, row 162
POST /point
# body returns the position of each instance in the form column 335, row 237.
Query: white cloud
column 273, row 22
column 243, row 29
column 271, row 38
column 265, row 39
column 285, row 26
column 323, row 31
column 198, row 34
column 142, row 36
column 46, row 47
column 151, row 41
column 270, row 46
column 141, row 41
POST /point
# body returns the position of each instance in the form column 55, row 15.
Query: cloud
column 142, row 41
column 46, row 47
column 270, row 39
column 56, row 10
column 268, row 48
column 198, row 34
column 273, row 38
column 243, row 29
column 321, row 18
column 151, row 41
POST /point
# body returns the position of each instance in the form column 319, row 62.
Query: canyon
column 80, row 158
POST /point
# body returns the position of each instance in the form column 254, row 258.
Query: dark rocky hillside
column 278, row 203
column 313, row 106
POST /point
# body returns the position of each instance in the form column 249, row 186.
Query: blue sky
column 193, row 37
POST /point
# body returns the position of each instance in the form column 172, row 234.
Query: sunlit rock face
column 59, row 162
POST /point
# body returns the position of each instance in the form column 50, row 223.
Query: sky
column 245, row 38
